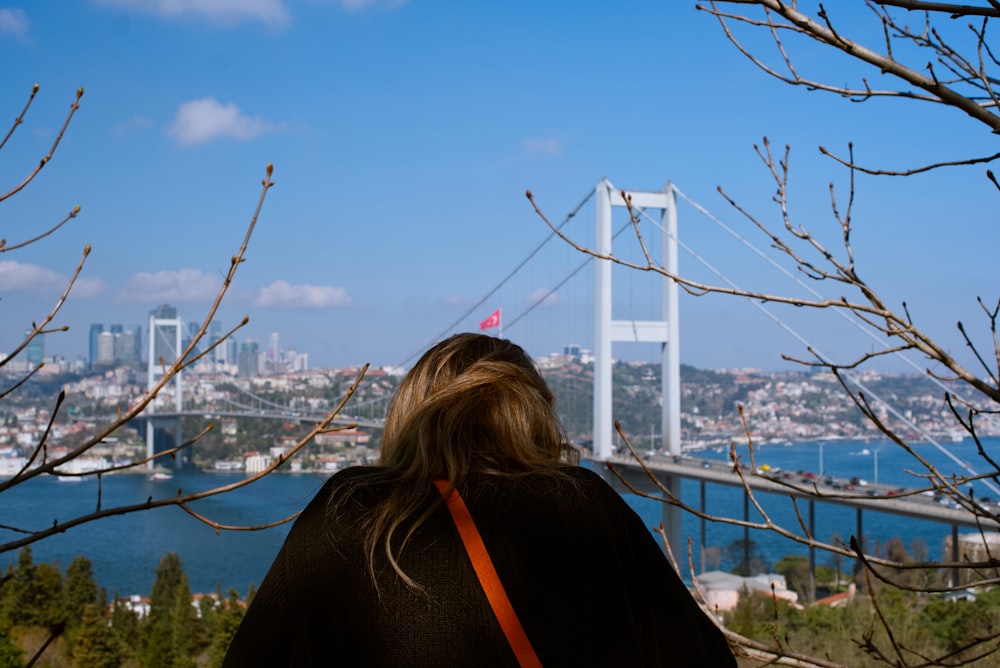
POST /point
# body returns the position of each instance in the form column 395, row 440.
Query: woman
column 374, row 572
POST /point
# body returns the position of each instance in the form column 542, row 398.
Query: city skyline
column 115, row 343
column 404, row 135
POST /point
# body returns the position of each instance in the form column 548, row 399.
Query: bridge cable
column 847, row 316
column 260, row 399
column 822, row 357
column 355, row 404
column 551, row 291
column 503, row 281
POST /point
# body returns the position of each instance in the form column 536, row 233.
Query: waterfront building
column 255, row 462
column 722, row 590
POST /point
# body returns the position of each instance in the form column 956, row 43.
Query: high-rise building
column 127, row 345
column 105, row 349
column 123, row 345
column 274, row 348
column 34, row 353
column 132, row 348
column 189, row 333
column 230, row 351
column 165, row 311
column 116, row 342
column 214, row 333
column 95, row 331
column 297, row 361
column 249, row 361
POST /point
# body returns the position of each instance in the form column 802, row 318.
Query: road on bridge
column 804, row 485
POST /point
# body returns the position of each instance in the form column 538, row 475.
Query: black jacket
column 587, row 580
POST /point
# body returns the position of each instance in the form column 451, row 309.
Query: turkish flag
column 492, row 321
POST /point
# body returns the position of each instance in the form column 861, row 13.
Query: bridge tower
column 165, row 331
column 664, row 331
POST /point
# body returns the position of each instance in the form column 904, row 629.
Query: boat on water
column 161, row 476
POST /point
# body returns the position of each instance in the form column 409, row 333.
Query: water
column 126, row 550
column 841, row 459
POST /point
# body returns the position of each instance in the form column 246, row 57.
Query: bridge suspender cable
column 849, row 318
column 808, row 288
column 503, row 281
column 854, row 321
column 551, row 291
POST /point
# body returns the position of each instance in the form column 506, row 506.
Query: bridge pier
column 812, row 551
column 664, row 331
column 164, row 433
column 702, row 522
column 954, row 554
column 746, row 532
column 165, row 331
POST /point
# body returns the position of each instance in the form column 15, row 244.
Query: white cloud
column 186, row 285
column 284, row 295
column 32, row 279
column 204, row 120
column 17, row 277
column 542, row 295
column 86, row 288
column 13, row 22
column 220, row 12
column 542, row 146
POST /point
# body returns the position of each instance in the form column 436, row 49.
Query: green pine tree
column 79, row 590
column 209, row 608
column 170, row 627
column 183, row 628
column 226, row 622
column 96, row 645
column 8, row 593
column 35, row 596
column 125, row 626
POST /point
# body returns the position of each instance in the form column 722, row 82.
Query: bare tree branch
column 55, row 144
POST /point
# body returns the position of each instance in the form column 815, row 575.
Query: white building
column 722, row 590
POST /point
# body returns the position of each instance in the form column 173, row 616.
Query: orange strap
column 488, row 577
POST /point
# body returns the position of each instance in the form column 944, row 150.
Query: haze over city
column 404, row 135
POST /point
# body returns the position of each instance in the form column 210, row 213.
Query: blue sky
column 404, row 134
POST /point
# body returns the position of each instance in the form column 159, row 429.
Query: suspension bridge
column 552, row 275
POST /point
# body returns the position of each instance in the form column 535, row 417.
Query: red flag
column 492, row 321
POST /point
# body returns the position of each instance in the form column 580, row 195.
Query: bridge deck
column 879, row 498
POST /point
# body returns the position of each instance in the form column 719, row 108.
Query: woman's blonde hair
column 472, row 403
